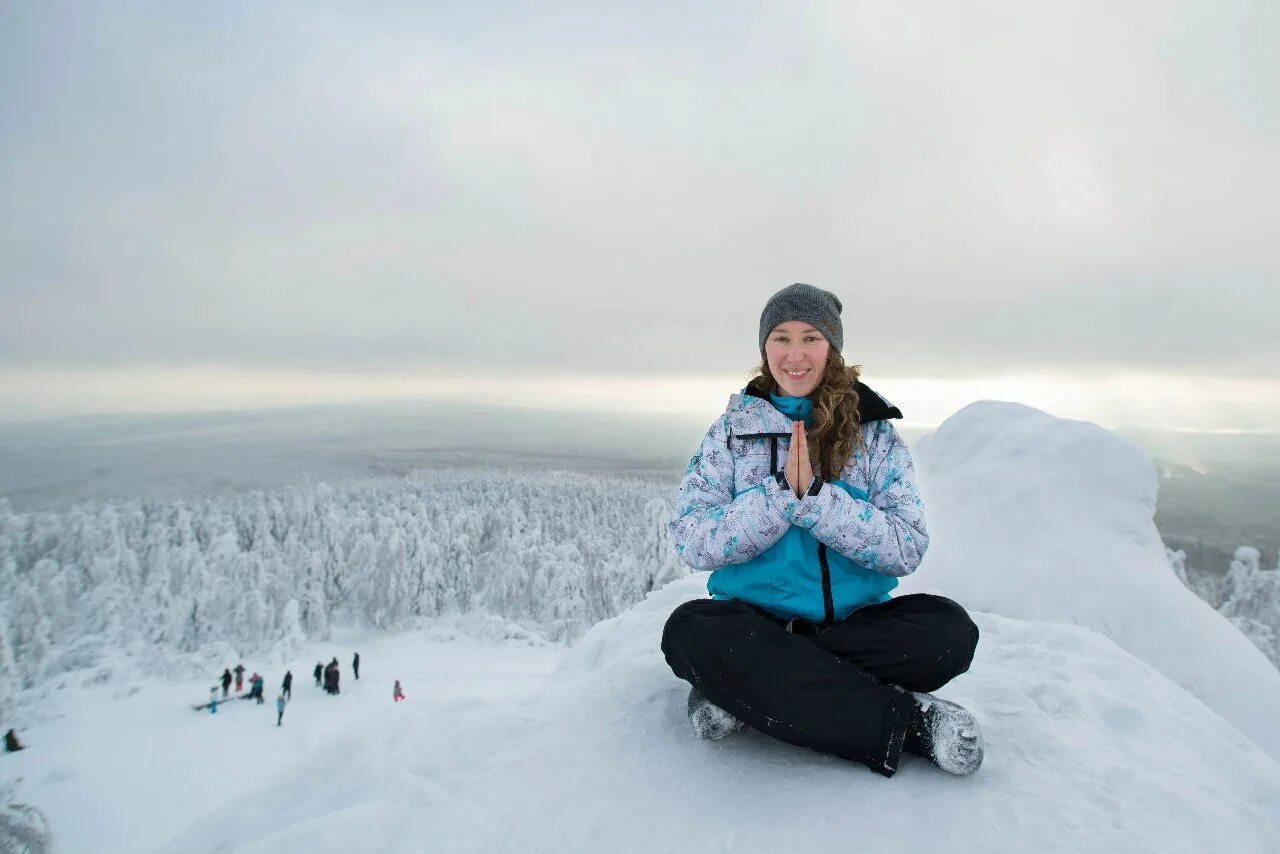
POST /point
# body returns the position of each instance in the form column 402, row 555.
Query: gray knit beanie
column 814, row 306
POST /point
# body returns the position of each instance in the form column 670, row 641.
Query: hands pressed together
column 798, row 470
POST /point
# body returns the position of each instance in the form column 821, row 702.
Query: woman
column 802, row 499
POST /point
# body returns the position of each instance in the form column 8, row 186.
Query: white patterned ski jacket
column 842, row 546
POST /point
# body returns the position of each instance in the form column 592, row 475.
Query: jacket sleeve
column 886, row 532
column 715, row 528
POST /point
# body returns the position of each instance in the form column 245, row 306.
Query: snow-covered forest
column 1247, row 595
column 557, row 552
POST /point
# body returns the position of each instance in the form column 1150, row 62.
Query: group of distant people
column 257, row 684
column 327, row 676
column 328, row 673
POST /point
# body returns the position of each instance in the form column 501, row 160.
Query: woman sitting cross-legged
column 802, row 499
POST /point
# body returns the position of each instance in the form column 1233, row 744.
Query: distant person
column 355, row 665
column 396, row 693
column 279, row 709
column 239, row 677
column 802, row 498
column 255, row 688
column 318, row 672
column 11, row 743
column 213, row 699
column 286, row 687
column 226, row 682
column 331, row 677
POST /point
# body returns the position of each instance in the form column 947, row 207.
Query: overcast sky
column 480, row 190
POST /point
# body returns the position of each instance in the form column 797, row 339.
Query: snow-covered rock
column 1088, row 749
column 1045, row 519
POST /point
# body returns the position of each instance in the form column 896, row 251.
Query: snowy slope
column 1041, row 518
column 1089, row 749
column 124, row 767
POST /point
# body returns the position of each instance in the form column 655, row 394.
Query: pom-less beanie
column 814, row 306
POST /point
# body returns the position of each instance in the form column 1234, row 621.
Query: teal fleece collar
column 795, row 408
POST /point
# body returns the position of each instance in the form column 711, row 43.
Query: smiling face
column 797, row 356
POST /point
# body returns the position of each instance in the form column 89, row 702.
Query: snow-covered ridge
column 245, row 572
column 1045, row 519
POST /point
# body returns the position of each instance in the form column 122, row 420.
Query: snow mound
column 1044, row 519
column 1088, row 749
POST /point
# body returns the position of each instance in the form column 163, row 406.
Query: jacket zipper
column 828, row 607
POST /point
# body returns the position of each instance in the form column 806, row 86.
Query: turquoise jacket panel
column 786, row 579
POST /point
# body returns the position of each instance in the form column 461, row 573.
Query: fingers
column 792, row 462
column 792, row 468
column 805, row 472
column 797, row 458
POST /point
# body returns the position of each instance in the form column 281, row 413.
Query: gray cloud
column 986, row 185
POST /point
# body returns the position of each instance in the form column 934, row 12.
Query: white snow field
column 1121, row 714
column 126, row 767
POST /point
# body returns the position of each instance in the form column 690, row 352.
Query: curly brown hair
column 837, row 429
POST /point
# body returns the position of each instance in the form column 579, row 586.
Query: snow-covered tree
column 1247, row 595
column 9, row 678
column 1252, row 601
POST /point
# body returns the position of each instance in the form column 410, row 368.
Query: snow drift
column 1041, row 518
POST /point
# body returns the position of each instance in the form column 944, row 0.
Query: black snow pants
column 840, row 689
